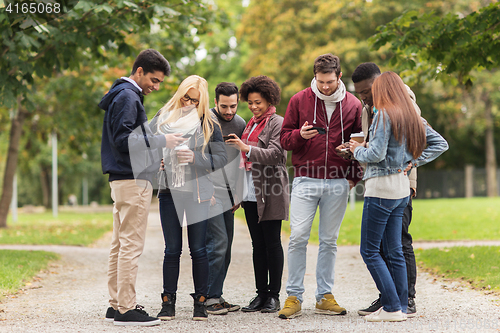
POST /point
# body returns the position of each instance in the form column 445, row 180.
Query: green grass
column 478, row 265
column 433, row 220
column 67, row 229
column 439, row 220
column 19, row 267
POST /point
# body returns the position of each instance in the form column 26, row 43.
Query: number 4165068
column 34, row 8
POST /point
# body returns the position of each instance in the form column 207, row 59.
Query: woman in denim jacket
column 398, row 138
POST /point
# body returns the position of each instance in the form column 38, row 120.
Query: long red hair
column 391, row 97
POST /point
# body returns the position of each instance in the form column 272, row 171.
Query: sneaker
column 256, row 304
column 110, row 315
column 328, row 305
column 272, row 305
column 376, row 304
column 382, row 315
column 167, row 307
column 199, row 310
column 217, row 309
column 135, row 317
column 411, row 311
column 230, row 307
column 291, row 309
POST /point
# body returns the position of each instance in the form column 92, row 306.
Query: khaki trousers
column 132, row 199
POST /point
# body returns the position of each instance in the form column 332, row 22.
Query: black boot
column 256, row 304
column 272, row 305
column 167, row 307
column 199, row 311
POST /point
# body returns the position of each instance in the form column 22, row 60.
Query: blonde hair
column 391, row 97
column 174, row 106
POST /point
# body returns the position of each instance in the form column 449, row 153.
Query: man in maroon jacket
column 317, row 120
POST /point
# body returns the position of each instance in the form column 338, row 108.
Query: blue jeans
column 382, row 223
column 406, row 242
column 172, row 233
column 220, row 231
column 331, row 197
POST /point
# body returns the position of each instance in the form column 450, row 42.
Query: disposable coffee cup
column 181, row 147
column 359, row 137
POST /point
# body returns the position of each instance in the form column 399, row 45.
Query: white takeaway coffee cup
column 359, row 137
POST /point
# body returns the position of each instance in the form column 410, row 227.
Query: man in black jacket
column 130, row 190
column 220, row 228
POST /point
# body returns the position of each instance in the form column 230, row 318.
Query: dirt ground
column 72, row 295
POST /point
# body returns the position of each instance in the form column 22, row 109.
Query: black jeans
column 196, row 216
column 406, row 242
column 268, row 258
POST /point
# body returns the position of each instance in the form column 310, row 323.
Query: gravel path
column 72, row 295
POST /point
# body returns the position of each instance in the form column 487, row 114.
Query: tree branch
column 5, row 51
column 490, row 28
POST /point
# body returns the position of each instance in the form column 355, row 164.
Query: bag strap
column 147, row 142
column 228, row 187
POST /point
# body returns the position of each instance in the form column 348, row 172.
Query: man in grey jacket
column 363, row 78
column 220, row 227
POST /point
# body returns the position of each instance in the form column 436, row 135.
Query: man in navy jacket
column 131, row 193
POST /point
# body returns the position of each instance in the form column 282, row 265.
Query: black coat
column 214, row 158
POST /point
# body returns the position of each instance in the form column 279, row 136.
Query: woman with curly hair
column 265, row 195
column 186, row 188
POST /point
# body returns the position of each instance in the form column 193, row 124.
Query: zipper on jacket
column 196, row 171
column 327, row 136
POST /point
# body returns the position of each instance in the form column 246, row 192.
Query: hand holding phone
column 344, row 151
column 228, row 137
column 320, row 130
column 305, row 131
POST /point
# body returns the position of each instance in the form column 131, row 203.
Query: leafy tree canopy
column 286, row 36
column 436, row 46
column 93, row 32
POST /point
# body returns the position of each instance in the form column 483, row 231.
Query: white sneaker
column 382, row 315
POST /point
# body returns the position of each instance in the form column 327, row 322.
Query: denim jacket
column 386, row 156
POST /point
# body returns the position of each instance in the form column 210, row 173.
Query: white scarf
column 186, row 125
column 336, row 97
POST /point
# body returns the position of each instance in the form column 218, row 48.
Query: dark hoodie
column 124, row 114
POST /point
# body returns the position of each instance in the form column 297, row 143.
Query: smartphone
column 320, row 130
column 227, row 137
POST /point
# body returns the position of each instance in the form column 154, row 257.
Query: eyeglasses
column 186, row 98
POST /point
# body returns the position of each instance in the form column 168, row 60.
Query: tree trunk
column 44, row 181
column 11, row 164
column 491, row 160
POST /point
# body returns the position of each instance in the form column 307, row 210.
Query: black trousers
column 268, row 258
column 406, row 242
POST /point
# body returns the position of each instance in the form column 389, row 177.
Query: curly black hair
column 265, row 86
column 365, row 71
